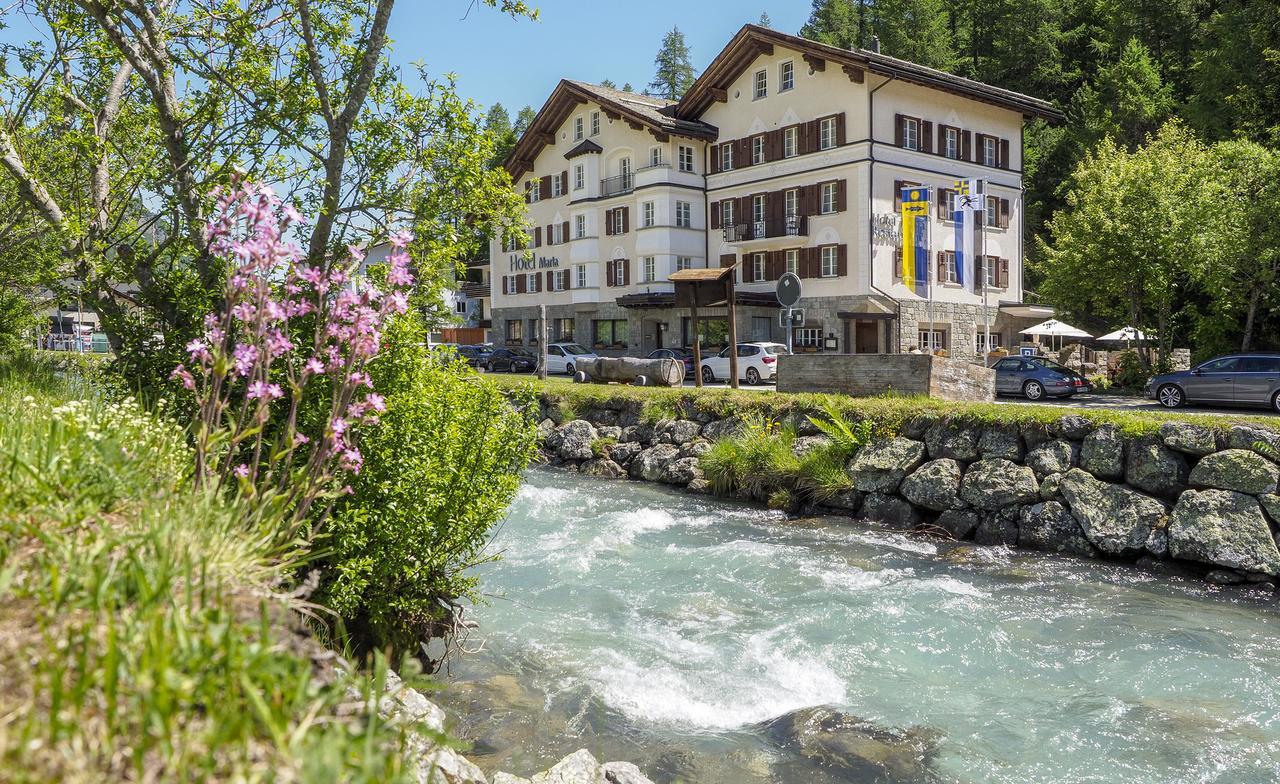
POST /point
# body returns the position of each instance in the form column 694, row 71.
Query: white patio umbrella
column 1125, row 335
column 1056, row 329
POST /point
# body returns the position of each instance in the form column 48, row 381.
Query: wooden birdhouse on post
column 708, row 288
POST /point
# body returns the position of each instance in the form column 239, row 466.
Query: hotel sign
column 886, row 229
column 533, row 263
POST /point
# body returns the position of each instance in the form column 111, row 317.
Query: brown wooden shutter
column 842, row 196
column 926, row 136
column 537, row 236
column 564, row 182
column 840, row 129
column 1004, row 273
column 897, row 263
column 564, row 236
column 714, row 168
column 551, row 281
column 1004, row 213
column 608, row 223
column 899, row 130
column 966, row 145
column 550, row 235
column 745, row 151
column 626, row 219
column 749, row 268
column 715, row 214
column 1004, row 154
column 626, row 271
column 522, row 284
column 942, row 260
column 842, row 259
column 608, row 273
column 898, row 185
column 544, row 187
column 727, row 260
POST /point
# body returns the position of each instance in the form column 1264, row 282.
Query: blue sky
column 517, row 62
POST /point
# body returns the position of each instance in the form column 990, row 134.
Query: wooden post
column 542, row 342
column 697, row 343
column 733, row 334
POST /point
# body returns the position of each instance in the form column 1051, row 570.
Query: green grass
column 889, row 412
column 149, row 632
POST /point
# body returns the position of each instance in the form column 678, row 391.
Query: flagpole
column 929, row 278
column 986, row 312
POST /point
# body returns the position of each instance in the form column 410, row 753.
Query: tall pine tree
column 674, row 72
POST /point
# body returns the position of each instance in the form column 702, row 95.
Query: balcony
column 790, row 226
column 616, row 186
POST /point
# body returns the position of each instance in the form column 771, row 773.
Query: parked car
column 1036, row 378
column 757, row 363
column 561, row 357
column 1240, row 380
column 675, row 353
column 476, row 356
column 511, row 360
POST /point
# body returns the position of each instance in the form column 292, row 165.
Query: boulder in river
column 681, row 471
column 603, row 467
column 649, row 464
column 1155, row 468
column 622, row 453
column 858, row 749
column 1102, row 453
column 1237, row 469
column 995, row 484
column 1224, row 528
column 1051, row 527
column 882, row 465
column 934, row 485
column 1116, row 520
column 889, row 510
column 960, row 523
column 572, row 440
column 998, row 527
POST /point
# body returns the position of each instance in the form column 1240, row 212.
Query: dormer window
column 577, row 129
column 762, row 84
column 595, row 123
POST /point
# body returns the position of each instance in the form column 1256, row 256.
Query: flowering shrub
column 290, row 337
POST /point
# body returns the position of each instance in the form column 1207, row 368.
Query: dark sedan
column 511, row 360
column 476, row 356
column 1036, row 378
column 675, row 353
column 1242, row 380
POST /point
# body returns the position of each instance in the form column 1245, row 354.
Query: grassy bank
column 889, row 412
column 150, row 632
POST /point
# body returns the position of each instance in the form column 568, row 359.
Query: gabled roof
column 641, row 112
column 584, row 147
column 752, row 41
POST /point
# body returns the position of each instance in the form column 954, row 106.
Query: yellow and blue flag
column 915, row 239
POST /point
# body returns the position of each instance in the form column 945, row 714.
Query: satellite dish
column 789, row 290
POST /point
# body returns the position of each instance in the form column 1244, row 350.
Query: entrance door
column 652, row 338
column 867, row 337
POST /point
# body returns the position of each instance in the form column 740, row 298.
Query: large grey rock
column 882, row 465
column 624, row 773
column 651, row 462
column 1224, row 528
column 1102, row 453
column 430, row 763
column 1051, row 488
column 1236, row 469
column 579, row 767
column 695, row 448
column 622, row 453
column 1000, row 527
column 719, row 429
column 603, row 417
column 507, row 778
column 889, row 510
column 960, row 523
column 609, row 431
column 1052, row 457
column 1188, row 438
column 1271, row 505
column 1155, row 468
column 934, row 485
column 915, row 427
column 603, row 467
column 951, row 439
column 638, row 434
column 1036, row 433
column 847, row 501
column 1051, row 527
column 1116, row 520
column 997, row 483
column 1246, row 437
column 803, row 445
column 1074, row 427
column 676, row 431
column 681, row 471
column 545, row 429
column 1003, row 440
column 849, row 748
column 572, row 440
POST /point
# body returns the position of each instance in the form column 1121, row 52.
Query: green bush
column 439, row 472
column 1131, row 375
column 754, row 461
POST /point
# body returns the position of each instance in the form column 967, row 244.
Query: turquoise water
column 669, row 630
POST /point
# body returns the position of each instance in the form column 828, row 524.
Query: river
column 689, row 635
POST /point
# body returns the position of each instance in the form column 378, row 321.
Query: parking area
column 1127, row 403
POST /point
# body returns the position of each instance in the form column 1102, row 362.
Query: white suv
column 757, row 363
column 563, row 357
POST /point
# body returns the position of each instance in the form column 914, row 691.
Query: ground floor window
column 533, row 330
column 610, row 332
column 932, row 340
column 981, row 345
column 713, row 333
column 808, row 337
column 761, row 329
column 515, row 331
column 563, row 329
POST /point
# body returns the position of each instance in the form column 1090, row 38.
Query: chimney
column 875, row 44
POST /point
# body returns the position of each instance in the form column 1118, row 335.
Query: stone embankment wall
column 865, row 375
column 1201, row 499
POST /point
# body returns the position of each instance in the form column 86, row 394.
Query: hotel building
column 785, row 155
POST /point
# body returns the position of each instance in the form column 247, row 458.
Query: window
column 982, row 347
column 789, row 143
column 686, row 158
column 757, row 207
column 911, row 133
column 534, row 189
column 828, row 197
column 562, row 328
column 726, row 213
column 684, row 263
column 556, row 187
column 726, row 157
column 791, row 202
column 1259, row 365
column 807, row 337
column 1228, row 365
column 579, row 226
column 577, row 129
column 933, row 340
column 951, row 143
column 793, row 261
column 620, row 272
column 610, row 332
column 990, row 151
column 460, row 307
column 648, row 269
column 624, row 166
column 757, row 150
column 948, row 272
column 515, row 330
column 581, row 269
column 618, row 224
column 762, row 84
column 757, row 267
column 595, row 123
column 557, row 282
column 827, row 133
column 684, row 215
column 555, row 234
column 648, row 213
column 829, row 261
column 655, row 156
column 534, row 282
column 991, row 271
column 786, row 76
column 993, row 211
column 579, row 177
